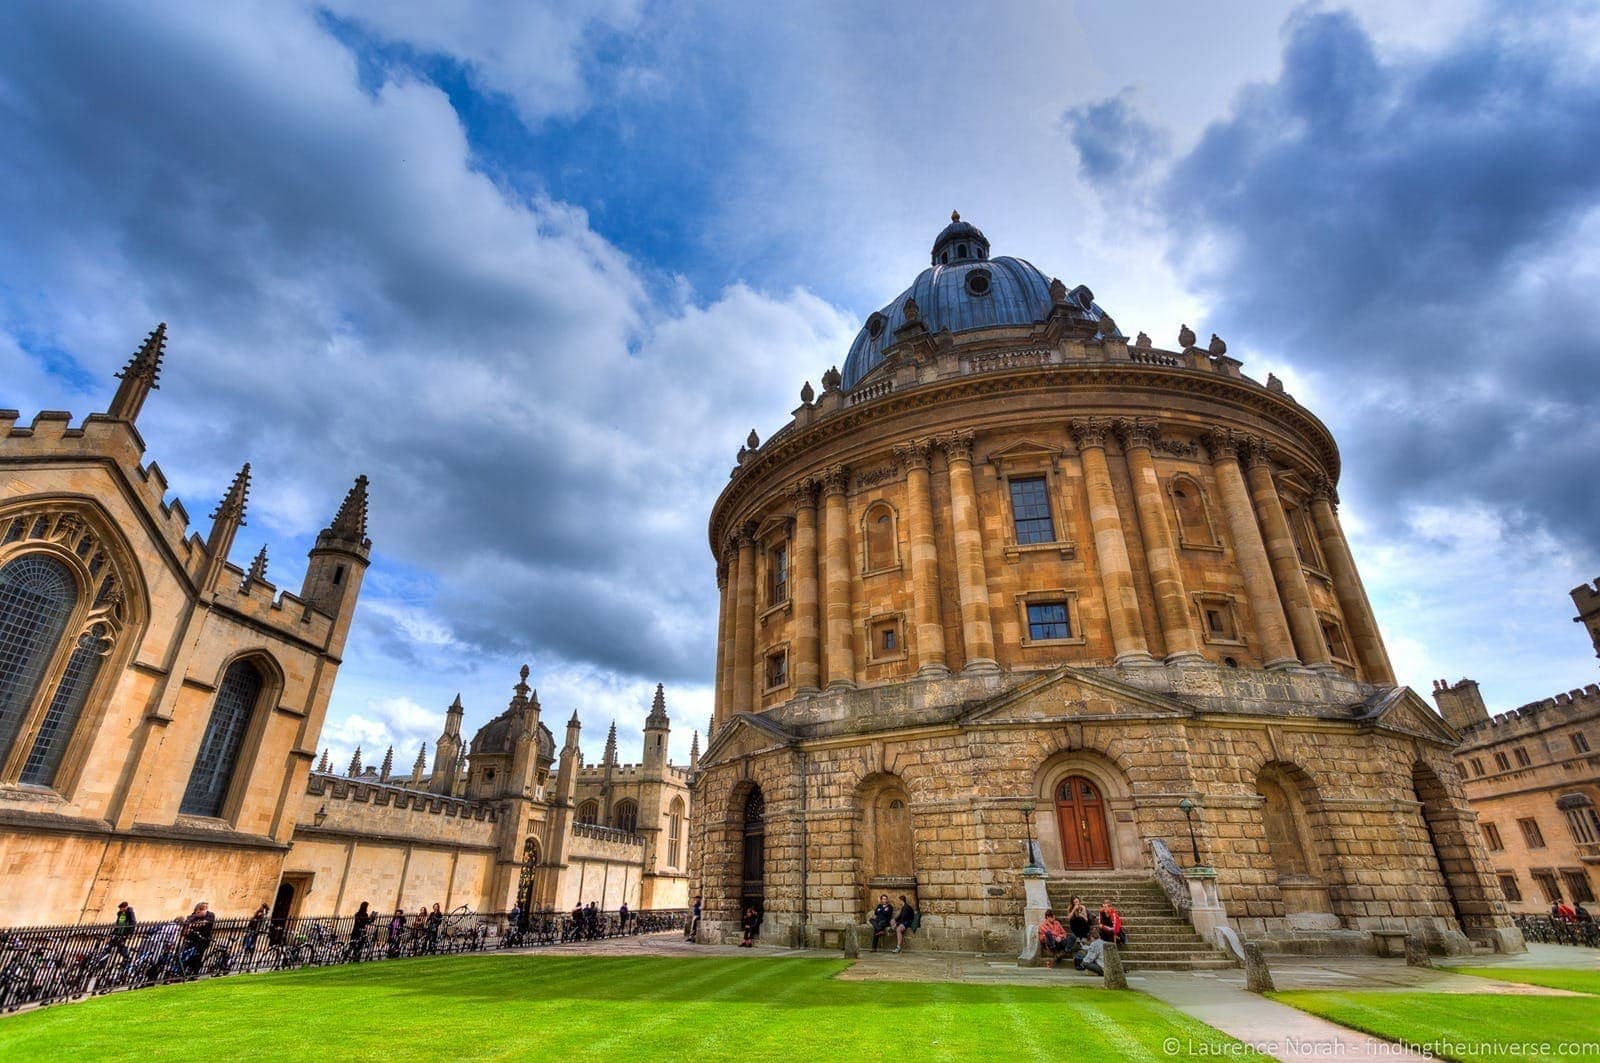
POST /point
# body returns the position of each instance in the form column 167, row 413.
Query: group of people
column 1084, row 938
column 175, row 948
column 885, row 916
column 586, row 922
column 1563, row 912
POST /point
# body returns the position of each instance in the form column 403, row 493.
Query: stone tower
column 1587, row 598
column 657, row 729
column 447, row 752
column 338, row 562
column 1460, row 703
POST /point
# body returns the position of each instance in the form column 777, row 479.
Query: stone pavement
column 1216, row 998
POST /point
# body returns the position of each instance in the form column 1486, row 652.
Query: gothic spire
column 236, row 498
column 324, row 766
column 349, row 527
column 611, row 745
column 694, row 751
column 258, row 569
column 388, row 765
column 421, row 765
column 658, row 711
column 139, row 377
column 355, row 763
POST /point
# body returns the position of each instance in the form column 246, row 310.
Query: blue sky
column 538, row 269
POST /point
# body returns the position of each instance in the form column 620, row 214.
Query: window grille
column 219, row 750
column 1030, row 511
column 65, row 707
column 37, row 595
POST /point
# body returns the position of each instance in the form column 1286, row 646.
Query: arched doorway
column 527, row 883
column 1081, row 817
column 887, row 855
column 282, row 910
column 752, row 884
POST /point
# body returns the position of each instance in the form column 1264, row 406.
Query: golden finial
column 955, row 215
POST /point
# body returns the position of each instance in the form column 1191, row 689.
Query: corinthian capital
column 835, row 478
column 746, row 535
column 1257, row 453
column 1322, row 489
column 914, row 454
column 1222, row 443
column 957, row 445
column 803, row 493
column 1089, row 431
column 1137, row 432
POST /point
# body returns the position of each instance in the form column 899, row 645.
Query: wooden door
column 1081, row 816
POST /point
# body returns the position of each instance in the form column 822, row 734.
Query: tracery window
column 625, row 816
column 218, row 757
column 589, row 812
column 61, row 610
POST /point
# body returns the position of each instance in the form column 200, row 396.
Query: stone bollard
column 1417, row 952
column 1111, row 960
column 1257, row 978
column 852, row 946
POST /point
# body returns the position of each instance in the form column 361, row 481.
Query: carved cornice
column 957, row 445
column 914, row 454
column 1089, row 432
column 1137, row 432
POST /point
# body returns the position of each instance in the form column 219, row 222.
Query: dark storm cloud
column 1112, row 139
column 1417, row 235
column 346, row 293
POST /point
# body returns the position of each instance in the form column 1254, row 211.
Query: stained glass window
column 37, row 595
column 224, row 737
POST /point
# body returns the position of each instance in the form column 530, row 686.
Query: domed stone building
column 1014, row 590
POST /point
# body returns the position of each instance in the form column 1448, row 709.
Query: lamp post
column 1188, row 813
column 1027, row 818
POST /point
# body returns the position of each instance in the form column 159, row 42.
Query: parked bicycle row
column 1548, row 931
column 43, row 965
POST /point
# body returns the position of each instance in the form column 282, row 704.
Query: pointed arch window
column 589, row 812
column 625, row 816
column 218, row 757
column 37, row 596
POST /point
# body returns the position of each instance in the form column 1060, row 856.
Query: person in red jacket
column 1111, row 925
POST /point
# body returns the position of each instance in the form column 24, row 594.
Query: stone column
column 972, row 585
column 836, row 547
column 1360, row 624
column 1295, row 593
column 1272, row 630
column 724, row 650
column 1178, row 621
column 924, row 558
column 1110, row 548
column 744, row 624
column 803, row 570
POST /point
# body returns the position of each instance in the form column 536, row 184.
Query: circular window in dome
column 978, row 282
column 875, row 326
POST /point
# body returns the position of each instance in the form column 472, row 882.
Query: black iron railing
column 48, row 964
column 1547, row 931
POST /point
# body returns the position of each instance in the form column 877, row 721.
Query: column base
column 981, row 666
column 1186, row 659
column 1325, row 668
column 933, row 671
column 1134, row 659
column 807, row 692
column 842, row 684
column 1284, row 664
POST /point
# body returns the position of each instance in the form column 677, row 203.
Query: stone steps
column 1159, row 939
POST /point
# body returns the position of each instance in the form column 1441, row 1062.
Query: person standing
column 622, row 918
column 121, row 930
column 358, row 932
column 197, row 931
column 693, row 928
column 397, row 930
column 882, row 916
column 253, row 931
column 904, row 920
column 435, row 925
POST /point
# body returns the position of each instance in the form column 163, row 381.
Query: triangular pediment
column 1024, row 450
column 1404, row 711
column 1068, row 693
column 743, row 736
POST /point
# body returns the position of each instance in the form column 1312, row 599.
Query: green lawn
column 1474, row 1026
column 557, row 1007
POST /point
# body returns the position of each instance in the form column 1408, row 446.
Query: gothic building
column 160, row 710
column 159, row 706
column 1012, row 583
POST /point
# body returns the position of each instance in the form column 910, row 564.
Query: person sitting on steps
column 1055, row 940
column 882, row 916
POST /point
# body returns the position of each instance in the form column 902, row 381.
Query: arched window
column 675, row 833
column 753, row 868
column 66, row 706
column 878, row 532
column 589, row 812
column 218, row 756
column 37, row 596
column 1194, row 522
column 625, row 816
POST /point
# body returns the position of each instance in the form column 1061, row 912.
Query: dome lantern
column 961, row 241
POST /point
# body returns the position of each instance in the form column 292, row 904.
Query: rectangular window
column 1522, row 757
column 1580, row 820
column 1547, row 886
column 1217, row 615
column 883, row 639
column 1580, row 742
column 1508, row 886
column 1030, row 511
column 1491, row 837
column 1477, row 767
column 1502, row 762
column 778, row 669
column 778, row 574
column 1531, row 833
column 1333, row 635
column 1048, row 620
column 1578, row 887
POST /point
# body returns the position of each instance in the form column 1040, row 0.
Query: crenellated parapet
column 332, row 787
